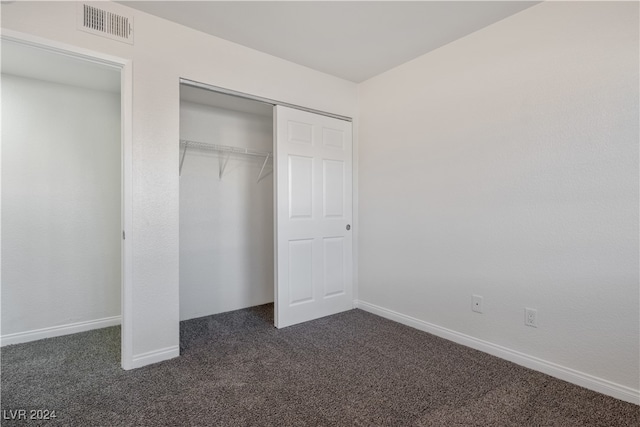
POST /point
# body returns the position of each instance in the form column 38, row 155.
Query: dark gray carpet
column 236, row 369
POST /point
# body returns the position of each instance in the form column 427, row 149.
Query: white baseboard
column 582, row 379
column 155, row 356
column 56, row 331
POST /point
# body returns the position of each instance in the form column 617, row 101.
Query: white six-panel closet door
column 313, row 216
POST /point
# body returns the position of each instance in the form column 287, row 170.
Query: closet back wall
column 60, row 205
column 226, row 223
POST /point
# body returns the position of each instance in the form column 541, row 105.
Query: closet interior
column 226, row 203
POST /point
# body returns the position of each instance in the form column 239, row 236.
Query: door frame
column 250, row 97
column 125, row 67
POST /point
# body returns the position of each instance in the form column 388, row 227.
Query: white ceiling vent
column 97, row 20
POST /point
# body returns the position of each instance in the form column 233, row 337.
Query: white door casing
column 313, row 202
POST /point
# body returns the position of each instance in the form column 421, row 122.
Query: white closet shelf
column 223, row 149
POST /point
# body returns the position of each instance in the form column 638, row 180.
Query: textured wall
column 60, row 204
column 505, row 164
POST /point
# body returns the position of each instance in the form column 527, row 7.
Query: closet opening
column 62, row 195
column 226, row 207
column 266, row 208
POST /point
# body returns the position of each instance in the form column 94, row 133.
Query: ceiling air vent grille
column 102, row 22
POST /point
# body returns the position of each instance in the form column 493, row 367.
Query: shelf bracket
column 184, row 152
column 263, row 165
column 223, row 163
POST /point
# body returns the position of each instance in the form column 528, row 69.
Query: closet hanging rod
column 224, row 148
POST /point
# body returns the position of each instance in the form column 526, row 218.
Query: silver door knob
column 348, row 227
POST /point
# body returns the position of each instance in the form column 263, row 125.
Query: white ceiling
column 354, row 40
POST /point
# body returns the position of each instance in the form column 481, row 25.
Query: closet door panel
column 300, row 187
column 313, row 216
column 301, row 271
column 334, row 260
column 333, row 188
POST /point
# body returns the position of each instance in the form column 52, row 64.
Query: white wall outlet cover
column 476, row 303
column 531, row 317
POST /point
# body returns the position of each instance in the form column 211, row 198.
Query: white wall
column 226, row 225
column 60, row 205
column 505, row 164
column 163, row 52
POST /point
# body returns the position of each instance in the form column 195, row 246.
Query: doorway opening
column 65, row 152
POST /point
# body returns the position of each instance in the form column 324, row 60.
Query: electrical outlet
column 531, row 317
column 476, row 303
